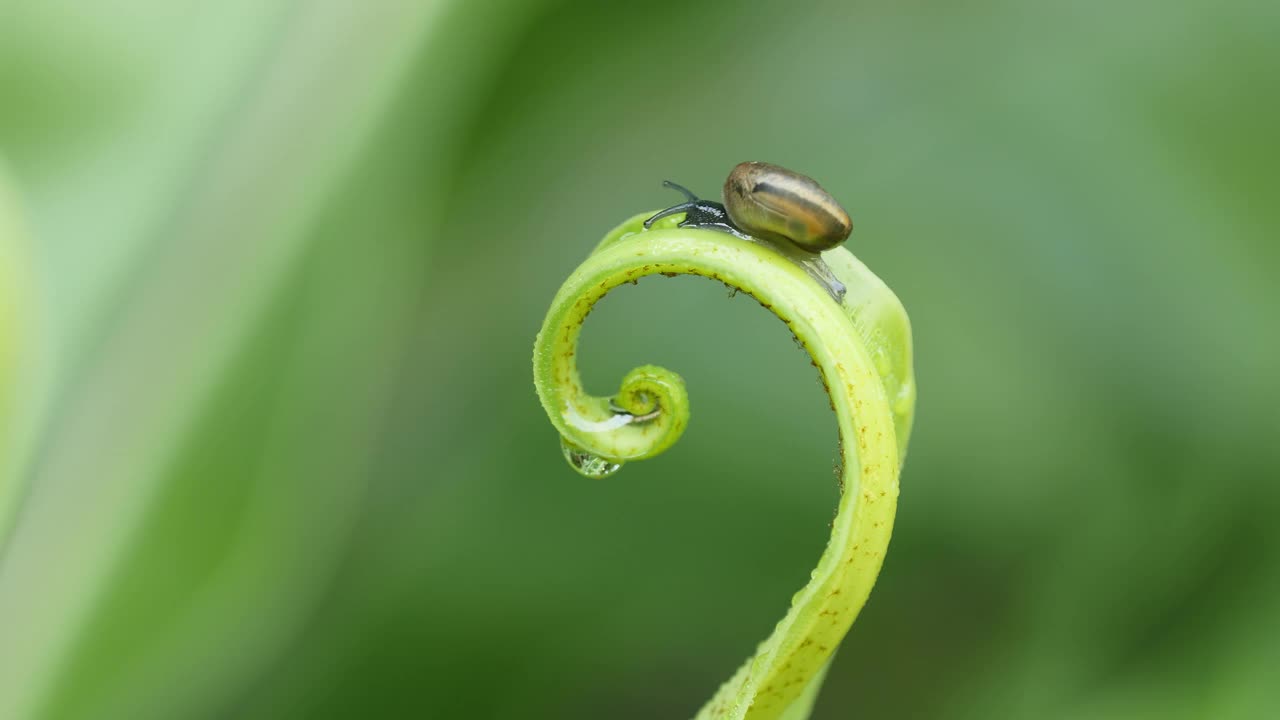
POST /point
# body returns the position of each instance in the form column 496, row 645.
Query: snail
column 771, row 203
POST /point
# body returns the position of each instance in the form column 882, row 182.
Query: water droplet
column 588, row 464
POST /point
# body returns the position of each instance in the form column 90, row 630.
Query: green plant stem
column 862, row 349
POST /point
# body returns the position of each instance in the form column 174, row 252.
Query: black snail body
column 697, row 212
column 769, row 203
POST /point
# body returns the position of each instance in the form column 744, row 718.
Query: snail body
column 771, row 203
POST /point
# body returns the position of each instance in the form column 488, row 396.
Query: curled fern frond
column 860, row 341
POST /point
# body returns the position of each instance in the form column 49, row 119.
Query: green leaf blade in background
column 160, row 359
column 15, row 354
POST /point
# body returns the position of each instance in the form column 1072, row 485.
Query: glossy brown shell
column 774, row 203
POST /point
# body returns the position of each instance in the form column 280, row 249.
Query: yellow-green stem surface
column 862, row 349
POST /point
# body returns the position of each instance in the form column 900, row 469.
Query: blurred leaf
column 14, row 345
column 169, row 552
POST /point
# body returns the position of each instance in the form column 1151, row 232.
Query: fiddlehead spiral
column 861, row 345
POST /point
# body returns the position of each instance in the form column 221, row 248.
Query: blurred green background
column 270, row 275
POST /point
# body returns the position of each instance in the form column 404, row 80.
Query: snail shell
column 774, row 203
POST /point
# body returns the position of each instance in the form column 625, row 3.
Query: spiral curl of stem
column 861, row 345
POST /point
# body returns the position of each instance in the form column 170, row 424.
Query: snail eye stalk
column 682, row 207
